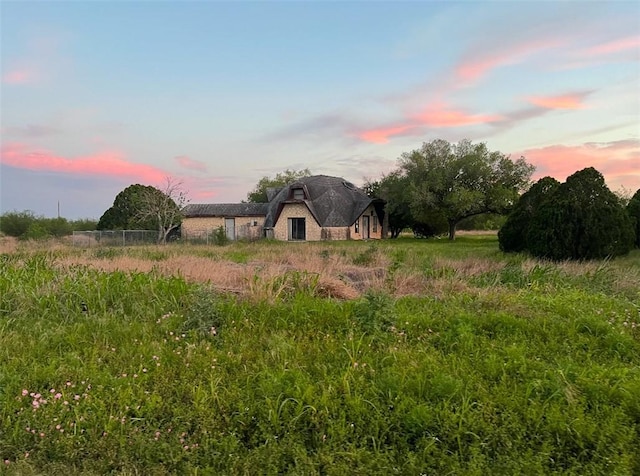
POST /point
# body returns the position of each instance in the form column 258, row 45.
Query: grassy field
column 396, row 357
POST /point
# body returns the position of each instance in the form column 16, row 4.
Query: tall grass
column 488, row 364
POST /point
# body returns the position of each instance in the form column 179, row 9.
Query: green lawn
column 510, row 366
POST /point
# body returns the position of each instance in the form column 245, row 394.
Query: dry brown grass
column 268, row 271
column 468, row 267
column 8, row 244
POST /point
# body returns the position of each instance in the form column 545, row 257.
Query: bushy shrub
column 486, row 221
column 16, row 223
column 512, row 236
column 36, row 231
column 83, row 224
column 26, row 225
column 633, row 209
column 219, row 236
column 56, row 226
column 374, row 312
column 580, row 219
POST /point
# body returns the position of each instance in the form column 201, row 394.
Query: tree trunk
column 452, row 230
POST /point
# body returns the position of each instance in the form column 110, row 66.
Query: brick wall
column 296, row 210
column 335, row 233
column 205, row 225
column 373, row 235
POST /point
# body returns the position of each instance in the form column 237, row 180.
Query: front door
column 297, row 231
column 230, row 227
column 365, row 227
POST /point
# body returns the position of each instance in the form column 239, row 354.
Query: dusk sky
column 99, row 95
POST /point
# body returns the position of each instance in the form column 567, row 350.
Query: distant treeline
column 28, row 226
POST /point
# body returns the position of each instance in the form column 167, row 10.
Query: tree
column 580, row 219
column 123, row 215
column 164, row 208
column 17, row 223
column 259, row 193
column 633, row 209
column 392, row 189
column 143, row 207
column 512, row 236
column 457, row 181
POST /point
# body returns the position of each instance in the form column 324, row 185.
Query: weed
column 374, row 312
column 366, row 257
column 204, row 314
column 219, row 237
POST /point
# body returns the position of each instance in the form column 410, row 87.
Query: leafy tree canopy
column 124, row 214
column 164, row 207
column 259, row 193
column 633, row 209
column 450, row 182
column 513, row 234
column 580, row 219
column 26, row 225
column 392, row 189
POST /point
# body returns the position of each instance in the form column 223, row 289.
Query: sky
column 98, row 95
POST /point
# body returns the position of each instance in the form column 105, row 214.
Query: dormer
column 297, row 193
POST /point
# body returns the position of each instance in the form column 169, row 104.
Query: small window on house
column 357, row 225
column 297, row 229
column 349, row 185
column 298, row 194
column 375, row 224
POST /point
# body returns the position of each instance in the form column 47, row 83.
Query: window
column 297, row 229
column 375, row 224
column 298, row 194
column 357, row 225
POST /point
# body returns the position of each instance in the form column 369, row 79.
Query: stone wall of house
column 375, row 225
column 335, row 233
column 201, row 226
column 313, row 231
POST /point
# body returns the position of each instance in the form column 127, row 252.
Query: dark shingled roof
column 333, row 201
column 225, row 210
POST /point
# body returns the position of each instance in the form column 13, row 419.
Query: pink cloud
column 438, row 115
column 563, row 101
column 478, row 64
column 442, row 116
column 618, row 161
column 18, row 76
column 381, row 135
column 614, row 46
column 107, row 164
column 191, row 164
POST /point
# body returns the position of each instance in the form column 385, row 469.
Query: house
column 239, row 220
column 311, row 209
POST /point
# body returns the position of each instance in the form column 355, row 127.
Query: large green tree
column 259, row 193
column 143, row 207
column 123, row 214
column 452, row 182
column 392, row 189
column 580, row 219
column 512, row 236
column 164, row 208
column 633, row 209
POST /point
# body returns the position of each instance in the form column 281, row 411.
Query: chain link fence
column 222, row 235
column 90, row 239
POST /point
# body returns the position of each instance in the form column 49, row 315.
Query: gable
column 332, row 201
